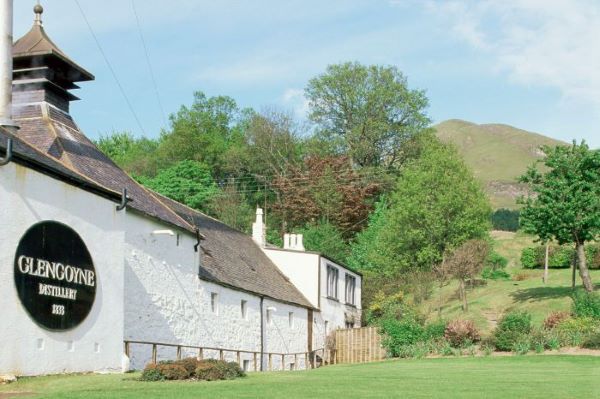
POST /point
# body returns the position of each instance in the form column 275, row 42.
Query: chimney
column 259, row 229
column 6, row 62
column 293, row 241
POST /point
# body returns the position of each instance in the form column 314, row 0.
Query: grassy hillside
column 498, row 155
column 525, row 290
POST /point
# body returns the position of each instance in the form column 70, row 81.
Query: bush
column 401, row 333
column 151, row 373
column 164, row 371
column 592, row 255
column 560, row 257
column 521, row 345
column 189, row 364
column 575, row 331
column 213, row 370
column 554, row 319
column 505, row 219
column 529, row 258
column 510, row 330
column 491, row 274
column 592, row 342
column 459, row 333
column 434, row 330
column 586, row 304
column 496, row 261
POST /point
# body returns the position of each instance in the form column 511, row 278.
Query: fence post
column 306, row 365
column 295, row 361
column 178, row 352
column 282, row 362
column 238, row 358
column 154, row 355
column 127, row 348
column 255, row 364
column 221, row 354
column 200, row 354
column 270, row 361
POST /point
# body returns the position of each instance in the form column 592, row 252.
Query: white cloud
column 536, row 42
column 295, row 99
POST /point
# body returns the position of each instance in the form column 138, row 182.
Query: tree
column 366, row 112
column 436, row 206
column 188, row 182
column 505, row 219
column 230, row 206
column 464, row 263
column 325, row 238
column 136, row 155
column 564, row 204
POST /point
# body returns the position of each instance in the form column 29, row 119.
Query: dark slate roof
column 54, row 133
column 232, row 258
column 29, row 156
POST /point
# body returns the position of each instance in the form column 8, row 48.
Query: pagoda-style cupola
column 41, row 71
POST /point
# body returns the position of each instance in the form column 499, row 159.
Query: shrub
column 529, row 258
column 151, row 373
column 586, row 304
column 505, row 219
column 461, row 332
column 189, row 364
column 592, row 342
column 400, row 333
column 434, row 330
column 575, row 331
column 592, row 255
column 511, row 328
column 560, row 257
column 491, row 274
column 213, row 370
column 521, row 345
column 554, row 319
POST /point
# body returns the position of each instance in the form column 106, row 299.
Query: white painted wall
column 333, row 311
column 166, row 302
column 302, row 268
column 28, row 197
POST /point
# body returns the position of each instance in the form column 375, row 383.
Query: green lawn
column 489, row 377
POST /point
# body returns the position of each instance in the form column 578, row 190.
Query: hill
column 498, row 154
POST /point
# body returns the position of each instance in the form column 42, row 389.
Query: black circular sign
column 55, row 276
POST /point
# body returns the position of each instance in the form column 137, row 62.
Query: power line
column 139, row 27
column 112, row 71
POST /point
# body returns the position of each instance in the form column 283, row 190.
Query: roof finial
column 38, row 10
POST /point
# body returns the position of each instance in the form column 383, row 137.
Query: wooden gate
column 358, row 345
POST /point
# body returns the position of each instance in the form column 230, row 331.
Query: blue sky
column 533, row 64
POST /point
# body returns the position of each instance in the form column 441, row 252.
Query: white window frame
column 214, row 302
column 333, row 274
column 350, row 289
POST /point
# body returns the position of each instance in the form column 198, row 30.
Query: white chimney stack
column 259, row 229
column 6, row 62
column 293, row 241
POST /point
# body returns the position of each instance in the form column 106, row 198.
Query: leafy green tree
column 136, row 155
column 204, row 132
column 437, row 205
column 366, row 112
column 505, row 219
column 188, row 182
column 365, row 251
column 325, row 238
column 564, row 204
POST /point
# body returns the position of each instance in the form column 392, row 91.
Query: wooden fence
column 358, row 345
column 312, row 359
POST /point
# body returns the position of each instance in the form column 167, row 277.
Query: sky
column 532, row 64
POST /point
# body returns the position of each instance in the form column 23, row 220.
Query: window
column 270, row 317
column 350, row 287
column 214, row 302
column 291, row 319
column 244, row 309
column 332, row 282
column 246, row 365
column 349, row 324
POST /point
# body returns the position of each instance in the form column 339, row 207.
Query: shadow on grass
column 541, row 293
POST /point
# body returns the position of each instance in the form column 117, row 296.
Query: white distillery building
column 94, row 268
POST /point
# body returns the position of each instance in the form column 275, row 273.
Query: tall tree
column 188, row 182
column 366, row 112
column 136, row 155
column 564, row 204
column 436, row 206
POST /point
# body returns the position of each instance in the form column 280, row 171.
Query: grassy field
column 524, row 291
column 489, row 377
column 497, row 154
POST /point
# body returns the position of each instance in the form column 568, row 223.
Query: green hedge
column 559, row 256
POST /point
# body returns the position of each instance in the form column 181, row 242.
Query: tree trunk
column 573, row 269
column 583, row 269
column 463, row 295
column 546, row 263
